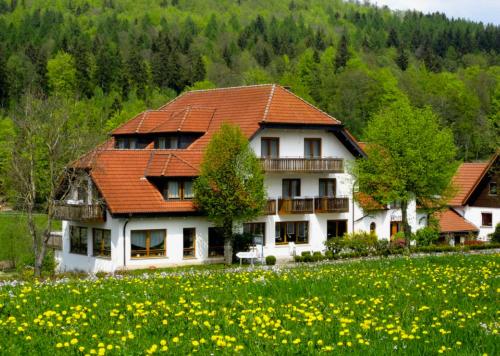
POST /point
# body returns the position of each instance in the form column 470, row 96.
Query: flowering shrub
column 416, row 306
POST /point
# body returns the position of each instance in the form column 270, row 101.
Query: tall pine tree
column 343, row 54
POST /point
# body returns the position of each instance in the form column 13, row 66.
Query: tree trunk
column 228, row 242
column 404, row 218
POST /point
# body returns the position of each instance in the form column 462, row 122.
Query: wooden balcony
column 270, row 208
column 79, row 212
column 296, row 206
column 305, row 165
column 331, row 205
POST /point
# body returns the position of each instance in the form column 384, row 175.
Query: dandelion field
column 430, row 305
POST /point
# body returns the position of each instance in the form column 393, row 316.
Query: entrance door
column 336, row 228
column 396, row 226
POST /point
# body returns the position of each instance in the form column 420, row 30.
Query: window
column 101, row 242
column 131, row 142
column 178, row 189
column 312, row 147
column 177, row 141
column 327, row 187
column 78, row 240
column 373, row 227
column 335, row 228
column 493, row 188
column 487, row 219
column 215, row 242
column 256, row 230
column 189, row 242
column 291, row 188
column 292, row 231
column 147, row 243
column 396, row 226
column 270, row 147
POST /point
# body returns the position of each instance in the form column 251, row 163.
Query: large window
column 292, row 231
column 78, row 240
column 215, row 242
column 148, row 243
column 270, row 147
column 327, row 187
column 312, row 147
column 131, row 142
column 291, row 188
column 101, row 242
column 492, row 188
column 189, row 242
column 256, row 230
column 335, row 228
column 487, row 219
column 178, row 189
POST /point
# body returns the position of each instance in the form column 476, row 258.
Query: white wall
column 473, row 214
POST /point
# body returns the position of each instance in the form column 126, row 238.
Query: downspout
column 124, row 245
column 353, row 184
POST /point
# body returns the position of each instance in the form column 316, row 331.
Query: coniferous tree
column 4, row 85
column 82, row 66
column 342, row 53
column 402, row 59
column 103, row 75
column 392, row 39
column 137, row 72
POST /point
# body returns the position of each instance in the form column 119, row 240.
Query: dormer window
column 178, row 189
column 131, row 143
column 175, row 141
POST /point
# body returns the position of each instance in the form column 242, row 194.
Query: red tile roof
column 467, row 178
column 451, row 221
column 121, row 175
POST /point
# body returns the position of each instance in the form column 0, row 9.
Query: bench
column 254, row 254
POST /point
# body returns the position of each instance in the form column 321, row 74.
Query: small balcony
column 305, row 165
column 331, row 205
column 79, row 212
column 296, row 206
column 270, row 208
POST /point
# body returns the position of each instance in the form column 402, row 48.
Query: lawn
column 425, row 305
column 15, row 242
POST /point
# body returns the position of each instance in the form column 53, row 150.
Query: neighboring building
column 475, row 208
column 131, row 206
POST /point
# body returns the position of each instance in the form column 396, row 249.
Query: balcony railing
column 270, row 208
column 296, row 206
column 79, row 212
column 331, row 205
column 306, row 165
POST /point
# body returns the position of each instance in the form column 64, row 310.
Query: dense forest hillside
column 114, row 58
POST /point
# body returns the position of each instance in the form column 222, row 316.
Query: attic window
column 131, row 143
column 493, row 188
column 178, row 190
column 177, row 141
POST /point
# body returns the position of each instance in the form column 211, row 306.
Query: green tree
column 402, row 59
column 343, row 54
column 230, row 188
column 61, row 74
column 4, row 85
column 409, row 156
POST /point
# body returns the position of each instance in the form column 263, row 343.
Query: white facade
column 474, row 215
column 291, row 145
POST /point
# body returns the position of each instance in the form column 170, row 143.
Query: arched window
column 373, row 226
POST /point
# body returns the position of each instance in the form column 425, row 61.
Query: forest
column 111, row 59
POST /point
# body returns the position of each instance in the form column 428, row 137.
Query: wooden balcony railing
column 331, row 205
column 306, row 165
column 296, row 206
column 270, row 208
column 79, row 212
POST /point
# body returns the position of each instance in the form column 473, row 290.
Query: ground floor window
column 215, row 242
column 148, row 243
column 292, row 231
column 101, row 242
column 189, row 242
column 78, row 240
column 486, row 219
column 396, row 226
column 336, row 228
column 257, row 230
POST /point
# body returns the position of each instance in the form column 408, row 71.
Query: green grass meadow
column 415, row 306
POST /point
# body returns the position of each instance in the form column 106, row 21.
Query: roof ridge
column 311, row 105
column 171, row 101
column 269, row 100
column 126, row 122
column 486, row 168
column 186, row 114
column 144, row 114
column 151, row 155
column 166, row 164
column 183, row 160
column 229, row 88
